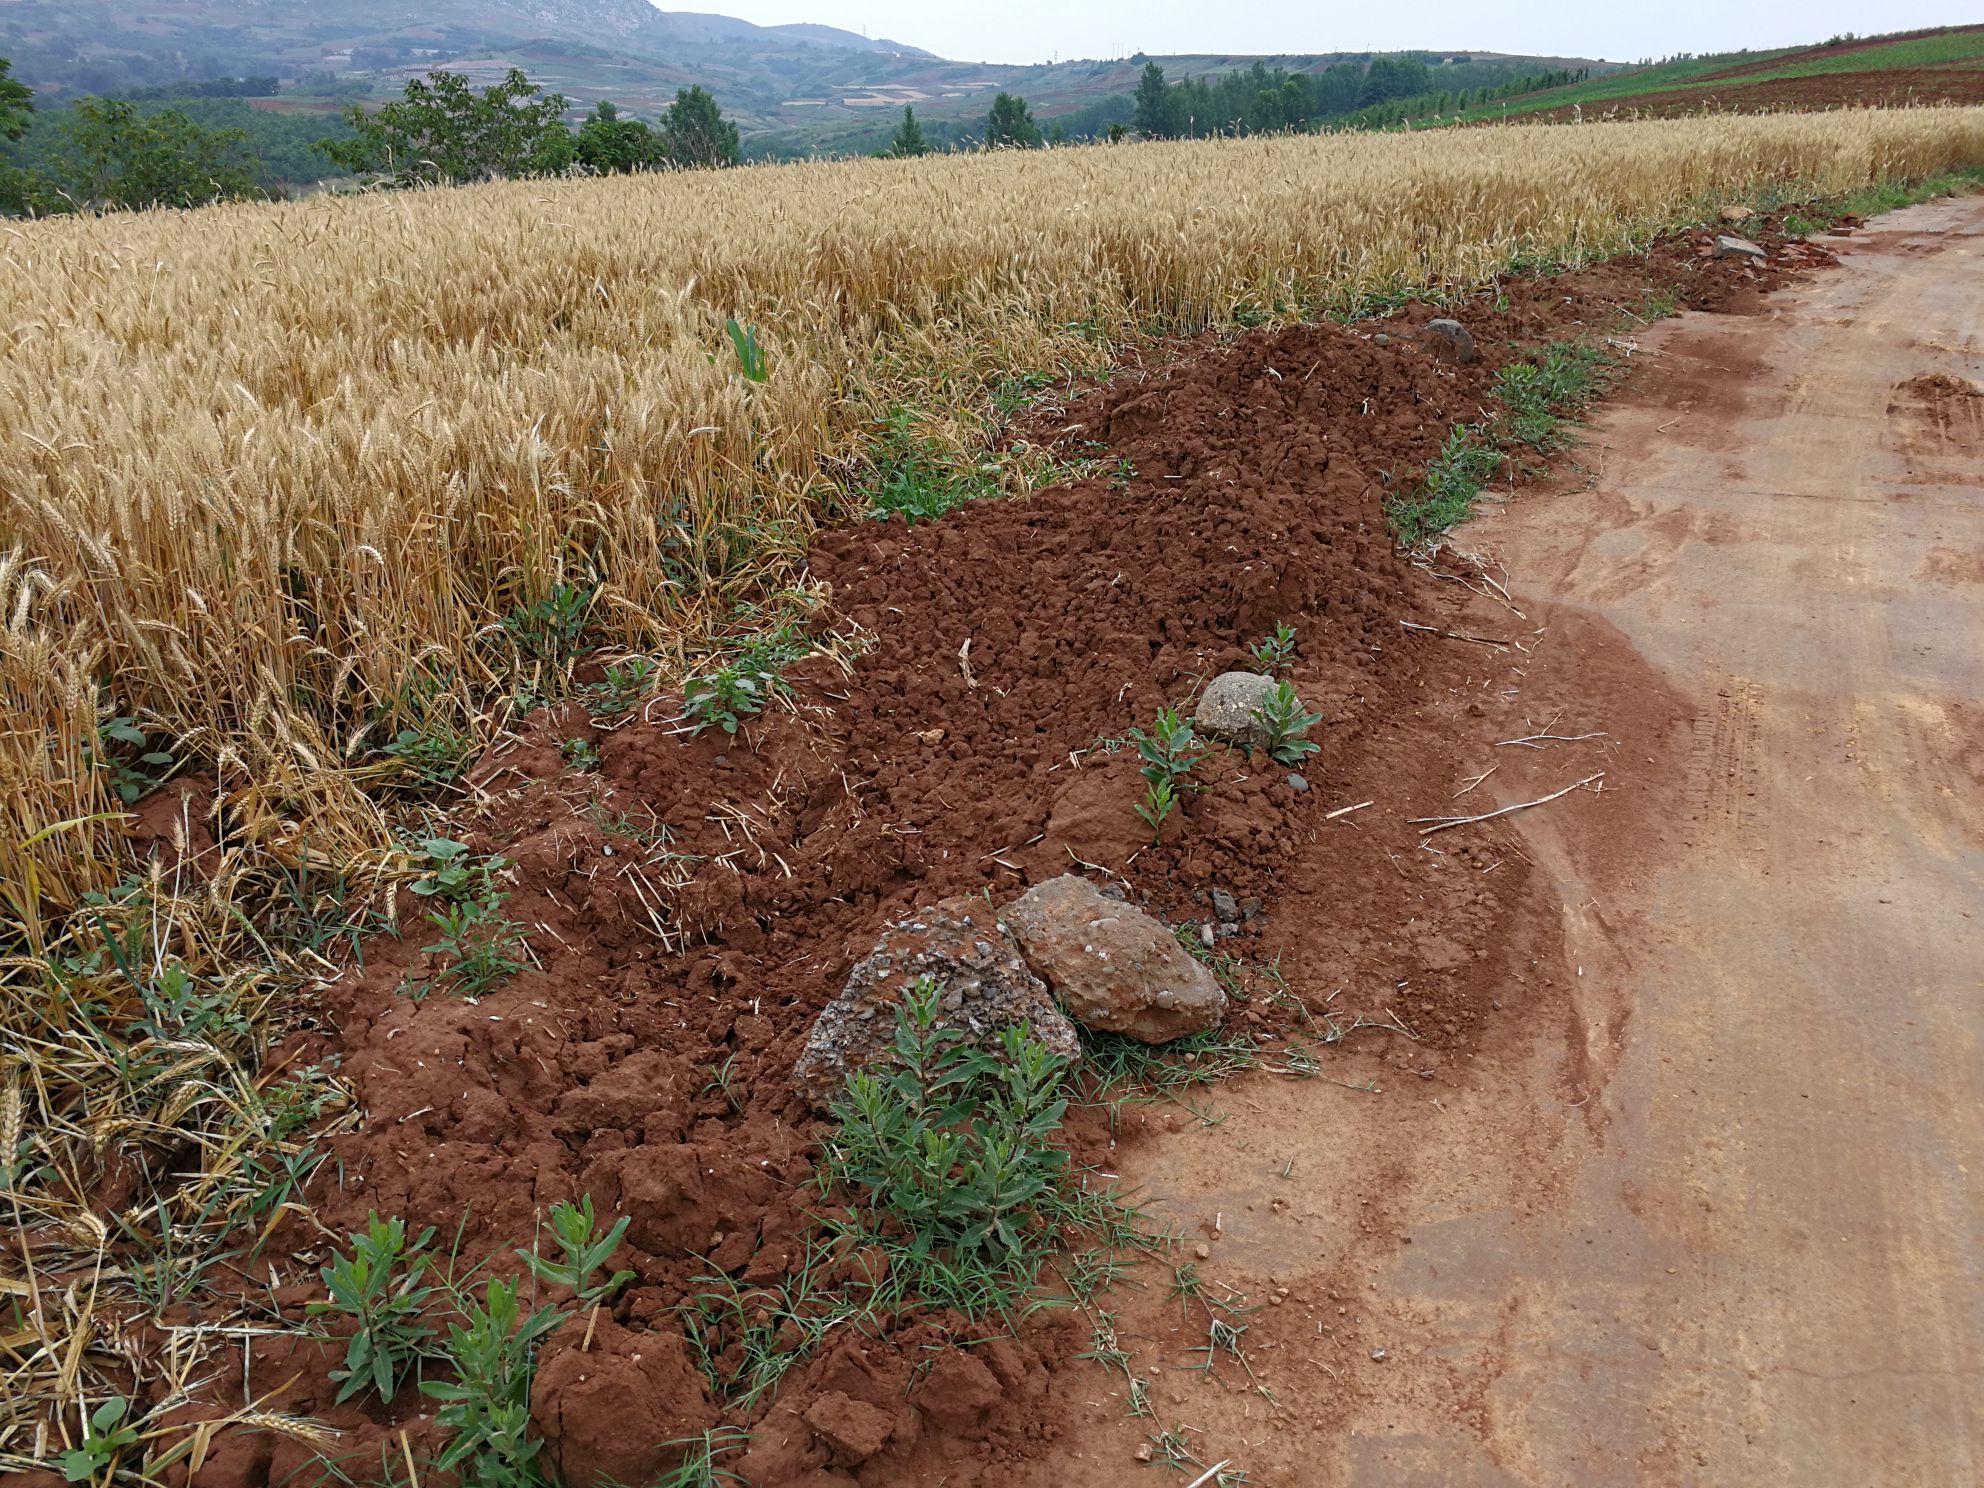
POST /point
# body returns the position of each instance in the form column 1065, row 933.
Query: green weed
column 1543, row 395
column 915, row 479
column 123, row 751
column 948, row 1162
column 487, row 1403
column 1283, row 722
column 477, row 949
column 752, row 361
column 1272, row 654
column 1466, row 462
column 574, row 1227
column 378, row 1287
column 626, row 684
column 434, row 755
column 1169, row 752
column 579, row 754
column 106, row 1438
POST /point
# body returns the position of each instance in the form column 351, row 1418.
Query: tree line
column 1373, row 94
column 127, row 153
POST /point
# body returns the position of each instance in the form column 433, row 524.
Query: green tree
column 17, row 187
column 609, row 144
column 122, row 158
column 909, row 140
column 1157, row 106
column 442, row 130
column 1010, row 124
column 16, row 103
column 698, row 135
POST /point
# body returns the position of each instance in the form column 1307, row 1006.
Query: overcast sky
column 1617, row 30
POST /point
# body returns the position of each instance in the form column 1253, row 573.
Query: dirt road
column 1711, row 1208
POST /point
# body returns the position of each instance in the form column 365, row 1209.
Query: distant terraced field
column 1926, row 67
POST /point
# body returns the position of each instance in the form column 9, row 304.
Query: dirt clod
column 854, row 1429
column 610, row 1405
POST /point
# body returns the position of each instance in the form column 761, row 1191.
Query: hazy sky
column 1617, row 30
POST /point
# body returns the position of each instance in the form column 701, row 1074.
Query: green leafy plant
column 124, row 750
column 1169, row 752
column 550, row 629
column 580, row 754
column 947, row 1158
column 724, row 698
column 487, row 1403
column 751, row 358
column 452, row 872
column 1160, row 800
column 626, row 683
column 1284, row 721
column 106, row 1437
column 477, row 947
column 1542, row 396
column 1466, row 462
column 378, row 1287
column 1273, row 653
column 433, row 755
column 575, row 1229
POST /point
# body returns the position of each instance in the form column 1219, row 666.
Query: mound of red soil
column 693, row 904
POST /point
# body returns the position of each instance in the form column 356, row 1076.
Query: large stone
column 1455, row 336
column 983, row 984
column 1728, row 247
column 1229, row 708
column 1111, row 965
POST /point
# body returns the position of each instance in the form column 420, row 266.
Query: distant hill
column 792, row 88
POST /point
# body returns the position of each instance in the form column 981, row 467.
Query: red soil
column 1891, row 88
column 960, row 755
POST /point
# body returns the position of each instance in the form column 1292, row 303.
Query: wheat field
column 273, row 476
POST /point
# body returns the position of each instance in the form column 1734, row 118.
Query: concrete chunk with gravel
column 1111, row 966
column 983, row 986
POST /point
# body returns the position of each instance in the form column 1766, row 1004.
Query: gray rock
column 1113, row 967
column 984, row 988
column 1298, row 782
column 1227, row 707
column 1226, row 907
column 1455, row 335
column 1381, row 339
column 1728, row 247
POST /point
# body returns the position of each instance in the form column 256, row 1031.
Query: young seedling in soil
column 575, row 1228
column 1273, row 653
column 102, row 1443
column 1169, row 752
column 378, row 1286
column 478, row 948
column 1283, row 721
column 487, row 1403
column 580, row 754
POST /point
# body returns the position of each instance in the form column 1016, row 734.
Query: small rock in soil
column 1228, row 707
column 854, row 1429
column 1113, row 967
column 1226, row 907
column 1298, row 782
column 983, row 984
column 1728, row 247
column 1455, row 335
column 1736, row 214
